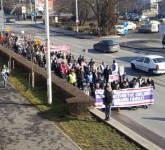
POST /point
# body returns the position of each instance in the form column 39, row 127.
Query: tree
column 104, row 11
column 63, row 5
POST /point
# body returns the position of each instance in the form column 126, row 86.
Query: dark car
column 107, row 46
column 10, row 19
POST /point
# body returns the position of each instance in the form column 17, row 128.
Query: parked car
column 149, row 27
column 154, row 22
column 153, row 64
column 131, row 25
column 107, row 46
column 10, row 19
column 144, row 18
column 119, row 29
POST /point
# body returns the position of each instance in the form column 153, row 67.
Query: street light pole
column 77, row 19
column 31, row 7
column 48, row 63
column 2, row 17
column 1, row 4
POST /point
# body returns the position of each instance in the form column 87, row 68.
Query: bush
column 69, row 28
column 92, row 25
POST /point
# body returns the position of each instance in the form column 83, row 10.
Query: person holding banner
column 115, row 67
column 108, row 98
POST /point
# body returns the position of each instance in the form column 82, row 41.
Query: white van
column 150, row 27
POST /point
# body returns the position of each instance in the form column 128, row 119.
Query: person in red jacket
column 63, row 70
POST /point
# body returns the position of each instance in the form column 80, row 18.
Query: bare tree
column 104, row 11
column 63, row 5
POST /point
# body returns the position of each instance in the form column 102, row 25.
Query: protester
column 115, row 67
column 163, row 41
column 4, row 75
column 108, row 98
column 78, row 72
column 150, row 82
column 107, row 72
column 72, row 77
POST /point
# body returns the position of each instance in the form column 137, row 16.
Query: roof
column 153, row 56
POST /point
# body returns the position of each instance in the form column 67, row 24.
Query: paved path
column 21, row 128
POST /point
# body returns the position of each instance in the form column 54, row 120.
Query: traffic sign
column 125, row 24
column 34, row 13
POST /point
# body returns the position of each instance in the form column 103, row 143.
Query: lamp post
column 1, row 4
column 48, row 63
column 2, row 24
column 77, row 19
column 31, row 7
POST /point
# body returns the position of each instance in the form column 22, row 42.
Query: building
column 161, row 10
column 149, row 7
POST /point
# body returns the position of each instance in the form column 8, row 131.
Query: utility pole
column 48, row 63
column 2, row 23
column 31, row 8
column 77, row 19
column 1, row 4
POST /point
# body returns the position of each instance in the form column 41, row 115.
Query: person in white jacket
column 4, row 75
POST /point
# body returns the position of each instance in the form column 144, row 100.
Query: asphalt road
column 153, row 117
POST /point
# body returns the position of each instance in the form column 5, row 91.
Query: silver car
column 107, row 46
column 153, row 64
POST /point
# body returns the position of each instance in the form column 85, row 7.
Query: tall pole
column 2, row 15
column 1, row 4
column 31, row 7
column 77, row 19
column 48, row 63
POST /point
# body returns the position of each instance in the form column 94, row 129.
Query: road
column 152, row 118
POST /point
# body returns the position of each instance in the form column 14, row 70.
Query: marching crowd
column 79, row 72
column 86, row 75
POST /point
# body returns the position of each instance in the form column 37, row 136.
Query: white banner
column 127, row 97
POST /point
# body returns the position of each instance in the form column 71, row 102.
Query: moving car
column 153, row 64
column 131, row 25
column 107, row 46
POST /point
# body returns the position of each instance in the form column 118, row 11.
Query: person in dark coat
column 163, row 41
column 107, row 72
column 150, row 82
column 108, row 98
column 80, row 78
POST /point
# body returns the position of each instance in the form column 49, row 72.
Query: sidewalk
column 22, row 128
column 80, row 35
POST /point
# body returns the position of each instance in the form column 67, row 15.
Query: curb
column 146, row 144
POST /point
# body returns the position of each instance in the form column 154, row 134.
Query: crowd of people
column 86, row 75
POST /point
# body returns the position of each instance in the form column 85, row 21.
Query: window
column 147, row 61
column 159, row 60
column 140, row 59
